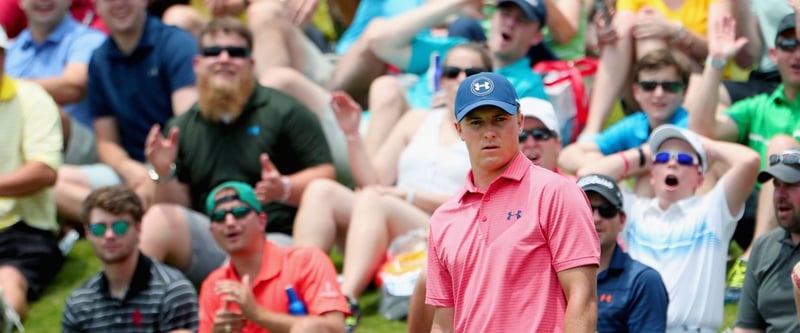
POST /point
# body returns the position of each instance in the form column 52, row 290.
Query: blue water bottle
column 296, row 306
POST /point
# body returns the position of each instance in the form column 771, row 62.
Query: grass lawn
column 45, row 314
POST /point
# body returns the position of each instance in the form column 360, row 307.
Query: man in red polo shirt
column 516, row 249
column 249, row 293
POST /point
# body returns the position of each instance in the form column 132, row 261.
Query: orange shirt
column 308, row 270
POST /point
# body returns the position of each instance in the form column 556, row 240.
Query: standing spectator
column 250, row 292
column 509, row 215
column 631, row 296
column 132, row 293
column 30, row 130
column 142, row 75
column 766, row 304
column 54, row 52
column 215, row 141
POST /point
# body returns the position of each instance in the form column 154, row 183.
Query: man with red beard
column 766, row 303
column 238, row 130
column 682, row 235
column 132, row 293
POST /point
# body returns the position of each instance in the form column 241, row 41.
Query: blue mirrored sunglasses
column 120, row 228
column 682, row 158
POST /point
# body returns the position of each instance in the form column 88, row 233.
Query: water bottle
column 296, row 306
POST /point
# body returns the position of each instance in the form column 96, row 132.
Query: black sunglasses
column 538, row 134
column 606, row 211
column 120, row 228
column 788, row 159
column 233, row 51
column 451, row 72
column 668, row 86
column 787, row 44
column 237, row 212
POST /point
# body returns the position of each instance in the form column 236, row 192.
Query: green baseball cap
column 244, row 193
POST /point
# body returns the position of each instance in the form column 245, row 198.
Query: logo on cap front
column 482, row 87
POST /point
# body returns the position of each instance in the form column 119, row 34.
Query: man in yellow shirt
column 30, row 132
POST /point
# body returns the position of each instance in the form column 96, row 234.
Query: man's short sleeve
column 43, row 139
column 97, row 95
column 569, row 227
column 304, row 133
column 182, row 48
column 318, row 284
column 439, row 290
column 84, row 45
column 649, row 303
column 742, row 114
column 618, row 137
column 180, row 308
column 748, row 315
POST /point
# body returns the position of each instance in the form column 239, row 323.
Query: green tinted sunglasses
column 119, row 228
column 237, row 212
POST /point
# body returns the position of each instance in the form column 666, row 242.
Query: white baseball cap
column 540, row 109
column 3, row 38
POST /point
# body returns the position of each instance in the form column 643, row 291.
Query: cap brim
column 783, row 172
column 503, row 105
column 603, row 192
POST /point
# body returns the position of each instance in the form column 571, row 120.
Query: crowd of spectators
column 222, row 148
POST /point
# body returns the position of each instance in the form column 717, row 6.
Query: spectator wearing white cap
column 540, row 138
column 682, row 235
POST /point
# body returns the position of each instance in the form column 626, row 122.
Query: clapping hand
column 347, row 112
column 270, row 188
column 650, row 23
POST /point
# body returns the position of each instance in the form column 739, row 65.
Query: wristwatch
column 154, row 176
column 717, row 63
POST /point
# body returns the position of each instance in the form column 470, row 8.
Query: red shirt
column 308, row 270
column 493, row 255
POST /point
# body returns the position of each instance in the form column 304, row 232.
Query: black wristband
column 641, row 156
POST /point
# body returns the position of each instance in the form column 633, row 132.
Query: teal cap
column 244, row 193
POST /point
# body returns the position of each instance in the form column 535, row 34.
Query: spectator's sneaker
column 9, row 319
column 352, row 321
column 733, row 289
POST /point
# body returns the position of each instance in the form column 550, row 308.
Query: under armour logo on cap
column 485, row 89
column 482, row 87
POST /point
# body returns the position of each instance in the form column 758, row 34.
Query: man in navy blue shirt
column 631, row 296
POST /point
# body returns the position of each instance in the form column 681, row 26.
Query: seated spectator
column 251, row 293
column 54, row 52
column 213, row 142
column 754, row 121
column 631, row 296
column 159, row 297
column 30, row 130
column 540, row 142
column 13, row 18
column 155, row 60
column 682, row 235
column 660, row 88
column 766, row 303
column 641, row 27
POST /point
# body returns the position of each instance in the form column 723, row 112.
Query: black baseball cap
column 603, row 185
column 787, row 22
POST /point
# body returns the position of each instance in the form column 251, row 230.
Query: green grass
column 45, row 314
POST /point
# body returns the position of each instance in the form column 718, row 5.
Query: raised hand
column 301, row 11
column 722, row 41
column 474, row 8
column 271, row 186
column 650, row 23
column 347, row 112
column 795, row 4
column 161, row 152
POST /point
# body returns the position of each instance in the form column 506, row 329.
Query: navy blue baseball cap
column 786, row 23
column 485, row 89
column 535, row 10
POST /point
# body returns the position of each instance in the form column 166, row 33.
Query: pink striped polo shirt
column 493, row 256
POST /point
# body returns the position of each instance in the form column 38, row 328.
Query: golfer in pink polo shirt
column 516, row 249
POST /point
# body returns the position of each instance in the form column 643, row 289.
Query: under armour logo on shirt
column 518, row 214
column 482, row 87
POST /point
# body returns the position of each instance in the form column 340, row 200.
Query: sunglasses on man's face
column 451, row 72
column 233, row 51
column 538, row 134
column 684, row 159
column 787, row 44
column 606, row 211
column 237, row 212
column 120, row 228
column 668, row 86
column 788, row 159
